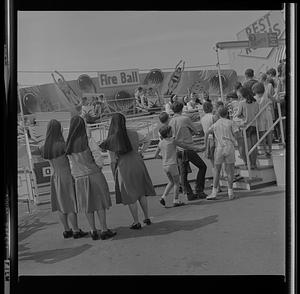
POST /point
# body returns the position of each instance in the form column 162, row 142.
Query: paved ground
column 243, row 236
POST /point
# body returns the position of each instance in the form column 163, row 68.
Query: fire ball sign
column 118, row 78
column 263, row 40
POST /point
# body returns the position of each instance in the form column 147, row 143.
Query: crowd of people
column 253, row 105
column 78, row 184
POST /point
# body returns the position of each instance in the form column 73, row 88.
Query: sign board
column 272, row 22
column 118, row 78
column 47, row 171
column 42, row 172
column 263, row 40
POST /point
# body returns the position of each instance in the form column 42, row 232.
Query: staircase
column 264, row 175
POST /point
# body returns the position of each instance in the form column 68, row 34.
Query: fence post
column 28, row 189
column 219, row 74
column 257, row 131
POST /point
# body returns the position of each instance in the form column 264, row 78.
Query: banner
column 63, row 95
column 272, row 22
column 118, row 78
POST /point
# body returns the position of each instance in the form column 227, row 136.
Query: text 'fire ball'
column 118, row 78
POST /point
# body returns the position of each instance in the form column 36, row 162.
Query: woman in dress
column 63, row 198
column 90, row 184
column 269, row 85
column 265, row 120
column 132, row 180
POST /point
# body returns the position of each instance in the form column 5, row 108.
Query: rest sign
column 263, row 40
column 272, row 22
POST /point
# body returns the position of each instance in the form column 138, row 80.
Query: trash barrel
column 279, row 166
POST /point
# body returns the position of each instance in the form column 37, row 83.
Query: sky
column 109, row 40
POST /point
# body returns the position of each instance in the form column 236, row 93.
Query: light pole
column 219, row 73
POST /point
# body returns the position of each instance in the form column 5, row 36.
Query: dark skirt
column 132, row 180
column 92, row 193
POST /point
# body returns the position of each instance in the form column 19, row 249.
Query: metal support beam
column 240, row 44
column 219, row 74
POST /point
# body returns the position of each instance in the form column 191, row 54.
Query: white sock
column 214, row 191
column 230, row 192
column 163, row 196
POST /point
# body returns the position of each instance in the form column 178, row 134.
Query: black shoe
column 79, row 234
column 178, row 204
column 94, row 235
column 107, row 234
column 191, row 197
column 68, row 234
column 162, row 201
column 136, row 226
column 147, row 221
column 201, row 195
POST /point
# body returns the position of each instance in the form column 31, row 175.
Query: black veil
column 54, row 143
column 117, row 139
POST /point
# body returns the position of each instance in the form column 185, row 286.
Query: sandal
column 147, row 221
column 107, row 234
column 176, row 204
column 136, row 226
column 162, row 201
column 94, row 235
column 68, row 234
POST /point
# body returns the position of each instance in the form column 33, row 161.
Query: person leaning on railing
column 264, row 120
column 248, row 108
column 280, row 92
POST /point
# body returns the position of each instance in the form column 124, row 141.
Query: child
column 88, row 111
column 167, row 147
column 207, row 121
column 164, row 118
column 215, row 112
column 223, row 130
column 265, row 119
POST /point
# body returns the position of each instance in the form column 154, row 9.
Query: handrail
column 279, row 120
column 258, row 114
column 265, row 134
column 153, row 116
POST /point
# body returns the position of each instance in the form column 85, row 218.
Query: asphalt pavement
column 220, row 237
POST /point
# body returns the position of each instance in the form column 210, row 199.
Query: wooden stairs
column 263, row 176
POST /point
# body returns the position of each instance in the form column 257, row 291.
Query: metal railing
column 148, row 123
column 278, row 120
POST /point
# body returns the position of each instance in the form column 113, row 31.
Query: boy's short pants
column 225, row 154
column 171, row 170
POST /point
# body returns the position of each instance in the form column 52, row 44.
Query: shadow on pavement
column 55, row 255
column 223, row 197
column 164, row 227
column 30, row 226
